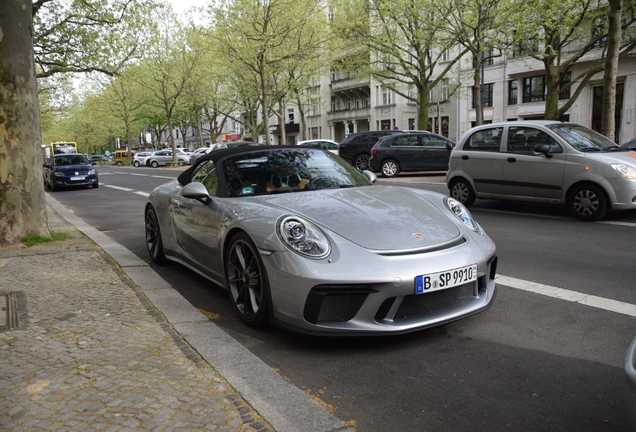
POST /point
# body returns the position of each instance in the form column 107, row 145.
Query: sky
column 181, row 6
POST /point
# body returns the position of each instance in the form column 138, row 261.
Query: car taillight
column 374, row 152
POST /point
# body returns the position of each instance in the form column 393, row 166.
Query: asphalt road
column 530, row 363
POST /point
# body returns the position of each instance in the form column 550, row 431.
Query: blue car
column 69, row 170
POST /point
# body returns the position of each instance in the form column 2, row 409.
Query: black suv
column 356, row 148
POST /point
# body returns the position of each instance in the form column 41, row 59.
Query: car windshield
column 69, row 160
column 282, row 171
column 582, row 138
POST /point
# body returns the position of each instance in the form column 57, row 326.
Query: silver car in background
column 544, row 162
column 302, row 239
column 164, row 157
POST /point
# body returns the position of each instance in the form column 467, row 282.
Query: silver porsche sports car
column 303, row 240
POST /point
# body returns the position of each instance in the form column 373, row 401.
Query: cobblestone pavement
column 92, row 353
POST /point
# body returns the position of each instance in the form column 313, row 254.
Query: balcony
column 349, row 83
column 349, row 114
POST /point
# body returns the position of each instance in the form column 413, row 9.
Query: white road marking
column 119, row 188
column 142, row 193
column 572, row 296
column 140, row 175
column 629, row 224
column 171, row 178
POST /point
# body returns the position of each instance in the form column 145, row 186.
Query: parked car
column 324, row 144
column 203, row 151
column 98, row 159
column 164, row 157
column 185, row 153
column 140, row 158
column 260, row 222
column 123, row 156
column 356, row 148
column 422, row 151
column 544, row 162
column 630, row 145
column 69, row 170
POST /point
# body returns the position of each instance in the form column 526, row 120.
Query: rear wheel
column 136, row 163
column 361, row 162
column 154, row 164
column 390, row 168
column 247, row 281
column 587, row 202
column 462, row 191
column 153, row 237
column 118, row 163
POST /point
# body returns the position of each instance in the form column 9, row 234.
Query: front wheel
column 390, row 168
column 153, row 237
column 587, row 202
column 462, row 191
column 361, row 162
column 154, row 164
column 247, row 281
column 136, row 163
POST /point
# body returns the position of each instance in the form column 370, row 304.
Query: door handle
column 511, row 159
column 464, row 157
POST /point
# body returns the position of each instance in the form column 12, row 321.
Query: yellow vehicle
column 58, row 147
column 123, row 156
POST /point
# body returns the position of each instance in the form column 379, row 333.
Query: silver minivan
column 544, row 162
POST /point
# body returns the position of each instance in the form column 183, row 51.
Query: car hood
column 614, row 157
column 374, row 217
column 73, row 168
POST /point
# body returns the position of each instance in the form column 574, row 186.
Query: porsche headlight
column 461, row 212
column 625, row 170
column 303, row 237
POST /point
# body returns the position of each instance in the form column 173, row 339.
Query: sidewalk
column 101, row 342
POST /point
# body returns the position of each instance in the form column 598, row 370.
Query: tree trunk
column 268, row 136
column 608, row 126
column 22, row 203
column 422, row 117
column 479, row 107
column 552, row 82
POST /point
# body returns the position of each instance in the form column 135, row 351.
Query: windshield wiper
column 588, row 149
column 342, row 186
column 615, row 149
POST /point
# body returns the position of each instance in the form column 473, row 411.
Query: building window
column 566, row 79
column 599, row 27
column 512, row 92
column 534, row 89
column 444, row 56
column 486, row 95
column 386, row 124
column 315, row 107
column 290, row 115
column 386, row 96
column 525, row 46
column 334, row 104
column 486, row 59
column 445, row 89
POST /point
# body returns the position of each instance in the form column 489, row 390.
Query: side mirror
column 543, row 148
column 370, row 176
column 46, row 166
column 196, row 191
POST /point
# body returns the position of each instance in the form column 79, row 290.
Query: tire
column 181, row 163
column 389, row 168
column 118, row 163
column 462, row 191
column 96, row 185
column 154, row 164
column 361, row 162
column 153, row 237
column 247, row 281
column 136, row 164
column 587, row 202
